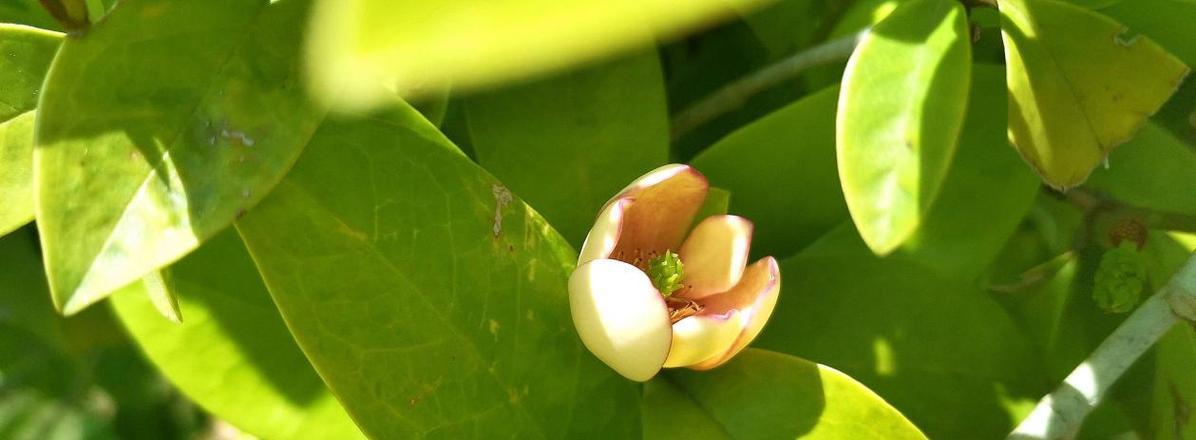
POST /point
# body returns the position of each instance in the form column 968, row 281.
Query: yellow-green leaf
column 1080, row 84
column 357, row 45
column 765, row 395
column 154, row 134
column 25, row 55
column 900, row 111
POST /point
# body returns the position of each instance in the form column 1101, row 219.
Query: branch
column 735, row 94
column 1059, row 414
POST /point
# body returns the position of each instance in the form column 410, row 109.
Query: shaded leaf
column 27, row 12
column 781, row 173
column 1080, row 84
column 233, row 354
column 25, row 55
column 136, row 170
column 425, row 293
column 900, row 111
column 762, row 395
column 568, row 143
column 1148, row 172
column 355, row 45
column 911, row 336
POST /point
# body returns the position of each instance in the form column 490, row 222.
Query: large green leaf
column 986, row 194
column 1080, row 84
column 766, row 395
column 900, row 111
column 781, row 173
column 938, row 350
column 160, row 125
column 568, row 143
column 355, row 45
column 1148, row 171
column 233, row 354
column 25, row 55
column 430, row 299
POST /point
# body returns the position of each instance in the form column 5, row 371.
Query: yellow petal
column 664, row 204
column 603, row 237
column 620, row 317
column 755, row 297
column 715, row 254
column 701, row 337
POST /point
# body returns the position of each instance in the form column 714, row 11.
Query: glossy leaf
column 762, row 394
column 568, row 143
column 426, row 294
column 1080, row 84
column 25, row 55
column 900, row 111
column 355, row 45
column 156, row 133
column 911, row 336
column 233, row 354
column 780, row 171
column 1148, row 171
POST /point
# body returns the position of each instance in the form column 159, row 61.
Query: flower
column 637, row 327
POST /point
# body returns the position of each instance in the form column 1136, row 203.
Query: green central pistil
column 666, row 272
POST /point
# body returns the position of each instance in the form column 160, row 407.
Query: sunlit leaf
column 156, row 133
column 910, row 335
column 900, row 111
column 1080, row 84
column 762, row 394
column 233, row 353
column 355, row 45
column 568, row 143
column 430, row 298
column 25, row 54
column 781, row 173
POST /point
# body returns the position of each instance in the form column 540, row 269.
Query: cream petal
column 698, row 338
column 604, row 235
column 755, row 296
column 715, row 255
column 665, row 202
column 620, row 317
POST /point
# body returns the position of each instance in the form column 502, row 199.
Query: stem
column 1090, row 201
column 735, row 94
column 1059, row 414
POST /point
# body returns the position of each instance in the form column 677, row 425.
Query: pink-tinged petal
column 665, row 202
column 620, row 317
column 701, row 337
column 715, row 255
column 604, row 235
column 755, row 296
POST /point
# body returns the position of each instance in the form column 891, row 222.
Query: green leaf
column 25, row 55
column 923, row 342
column 568, row 143
column 135, row 170
column 355, row 45
column 762, row 394
column 233, row 354
column 1080, row 84
column 901, row 108
column 1148, row 172
column 781, row 172
column 27, row 12
column 426, row 294
column 787, row 26
column 860, row 14
column 986, row 194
